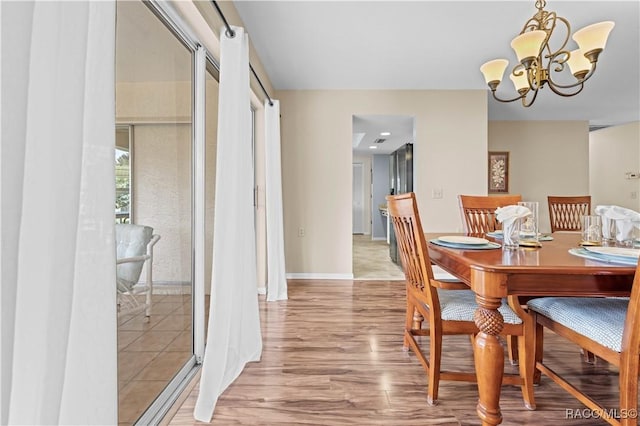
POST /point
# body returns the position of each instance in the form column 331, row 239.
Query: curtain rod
column 232, row 34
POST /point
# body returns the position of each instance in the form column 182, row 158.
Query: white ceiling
column 326, row 45
column 367, row 128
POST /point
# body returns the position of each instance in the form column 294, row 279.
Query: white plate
column 461, row 239
column 615, row 251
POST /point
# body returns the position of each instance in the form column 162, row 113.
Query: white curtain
column 276, row 272
column 234, row 336
column 57, row 189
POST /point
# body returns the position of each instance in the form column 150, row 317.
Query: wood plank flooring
column 333, row 356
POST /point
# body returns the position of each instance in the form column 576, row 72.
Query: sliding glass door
column 154, row 102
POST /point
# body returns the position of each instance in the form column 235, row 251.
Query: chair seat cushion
column 600, row 319
column 459, row 305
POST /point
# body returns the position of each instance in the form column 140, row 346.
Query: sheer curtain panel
column 234, row 336
column 276, row 272
column 57, row 256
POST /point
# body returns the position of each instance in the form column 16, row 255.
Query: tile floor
column 150, row 353
column 371, row 260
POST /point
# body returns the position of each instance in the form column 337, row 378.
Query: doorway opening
column 374, row 139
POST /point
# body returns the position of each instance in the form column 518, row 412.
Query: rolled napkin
column 508, row 214
column 624, row 218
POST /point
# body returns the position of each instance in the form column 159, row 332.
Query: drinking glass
column 511, row 234
column 529, row 226
column 591, row 230
column 608, row 230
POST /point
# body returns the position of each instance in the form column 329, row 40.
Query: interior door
column 358, row 198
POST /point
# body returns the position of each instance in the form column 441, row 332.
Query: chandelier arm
column 522, row 96
column 534, row 84
column 576, row 84
column 555, row 90
column 567, row 26
column 533, row 98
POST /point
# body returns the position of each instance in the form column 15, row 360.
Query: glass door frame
column 165, row 400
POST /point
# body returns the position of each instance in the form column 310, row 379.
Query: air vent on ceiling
column 379, row 140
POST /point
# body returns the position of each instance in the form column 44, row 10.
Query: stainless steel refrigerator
column 400, row 182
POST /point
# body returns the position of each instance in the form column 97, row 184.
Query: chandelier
column 541, row 65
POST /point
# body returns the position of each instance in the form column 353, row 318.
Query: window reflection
column 154, row 102
column 123, row 175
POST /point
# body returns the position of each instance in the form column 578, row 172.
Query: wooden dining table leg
column 489, row 359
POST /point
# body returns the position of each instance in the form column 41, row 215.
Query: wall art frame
column 498, row 172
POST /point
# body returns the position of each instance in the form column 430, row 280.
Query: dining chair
column 479, row 211
column 564, row 216
column 565, row 212
column 479, row 217
column 436, row 308
column 608, row 327
column 134, row 252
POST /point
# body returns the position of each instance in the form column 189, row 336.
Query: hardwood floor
column 333, row 356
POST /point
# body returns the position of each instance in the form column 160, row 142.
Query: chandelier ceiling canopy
column 542, row 64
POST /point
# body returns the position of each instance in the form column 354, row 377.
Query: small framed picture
column 498, row 172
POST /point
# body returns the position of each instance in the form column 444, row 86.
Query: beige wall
column 614, row 151
column 450, row 153
column 545, row 158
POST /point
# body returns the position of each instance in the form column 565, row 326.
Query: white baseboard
column 177, row 287
column 173, row 287
column 379, row 238
column 313, row 276
column 169, row 287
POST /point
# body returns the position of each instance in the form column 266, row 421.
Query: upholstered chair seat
column 599, row 319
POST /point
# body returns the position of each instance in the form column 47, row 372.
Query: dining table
column 552, row 269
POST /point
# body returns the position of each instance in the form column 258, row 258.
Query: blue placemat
column 606, row 258
column 498, row 235
column 490, row 245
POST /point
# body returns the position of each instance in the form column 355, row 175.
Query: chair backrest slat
column 412, row 246
column 478, row 211
column 565, row 212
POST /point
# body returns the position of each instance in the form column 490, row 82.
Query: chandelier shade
column 494, row 70
column 540, row 64
column 578, row 63
column 593, row 37
column 527, row 45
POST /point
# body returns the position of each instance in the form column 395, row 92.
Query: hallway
column 371, row 260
